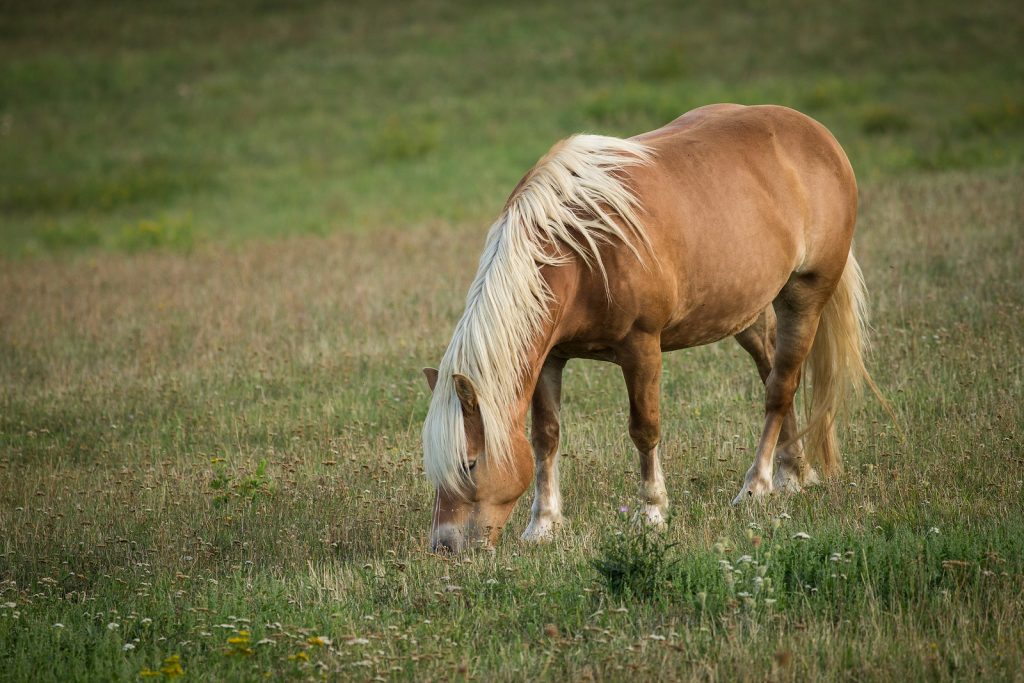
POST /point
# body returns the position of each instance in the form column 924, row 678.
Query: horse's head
column 476, row 502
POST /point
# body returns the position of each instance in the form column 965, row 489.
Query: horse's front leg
column 641, row 368
column 546, row 514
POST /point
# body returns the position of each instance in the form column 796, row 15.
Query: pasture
column 232, row 235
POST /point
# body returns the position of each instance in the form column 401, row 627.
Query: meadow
column 232, row 234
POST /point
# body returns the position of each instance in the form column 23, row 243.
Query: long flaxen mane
column 570, row 203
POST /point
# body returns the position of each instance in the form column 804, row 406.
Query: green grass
column 234, row 235
column 251, row 119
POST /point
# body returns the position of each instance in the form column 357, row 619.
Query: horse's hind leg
column 546, row 514
column 797, row 309
column 793, row 470
column 641, row 368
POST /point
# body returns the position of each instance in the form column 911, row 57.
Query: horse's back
column 738, row 200
column 779, row 160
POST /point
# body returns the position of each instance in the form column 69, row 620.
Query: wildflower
column 172, row 667
column 149, row 673
column 934, row 531
column 624, row 509
column 357, row 641
column 112, row 625
column 745, row 559
column 319, row 641
column 128, row 646
column 299, row 656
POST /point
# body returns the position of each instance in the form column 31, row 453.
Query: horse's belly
column 690, row 333
column 724, row 307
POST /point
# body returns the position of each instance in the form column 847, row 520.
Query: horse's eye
column 473, row 464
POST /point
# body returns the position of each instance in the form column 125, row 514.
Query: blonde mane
column 570, row 203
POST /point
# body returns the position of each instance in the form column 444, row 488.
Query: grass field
column 232, row 235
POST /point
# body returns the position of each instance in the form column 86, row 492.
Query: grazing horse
column 729, row 221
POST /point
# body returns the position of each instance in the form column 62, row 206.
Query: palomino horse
column 729, row 221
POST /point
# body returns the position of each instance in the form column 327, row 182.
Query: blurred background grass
column 132, row 125
column 203, row 433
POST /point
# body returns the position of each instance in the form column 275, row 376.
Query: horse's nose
column 446, row 540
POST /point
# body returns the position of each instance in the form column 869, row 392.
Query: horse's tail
column 835, row 366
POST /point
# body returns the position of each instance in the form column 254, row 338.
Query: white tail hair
column 573, row 201
column 835, row 366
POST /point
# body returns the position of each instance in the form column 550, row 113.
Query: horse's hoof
column 652, row 517
column 790, row 480
column 541, row 530
column 753, row 489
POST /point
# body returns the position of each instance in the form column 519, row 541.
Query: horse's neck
column 562, row 281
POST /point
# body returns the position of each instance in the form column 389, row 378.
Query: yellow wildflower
column 299, row 656
column 172, row 667
column 239, row 644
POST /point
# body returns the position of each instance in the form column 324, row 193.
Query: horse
column 729, row 221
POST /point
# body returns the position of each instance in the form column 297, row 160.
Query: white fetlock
column 542, row 529
column 787, row 480
column 792, row 480
column 755, row 487
column 651, row 515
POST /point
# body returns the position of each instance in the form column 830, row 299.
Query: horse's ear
column 431, row 375
column 466, row 392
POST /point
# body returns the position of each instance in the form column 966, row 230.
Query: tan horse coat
column 746, row 217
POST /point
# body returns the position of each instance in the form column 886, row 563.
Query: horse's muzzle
column 447, row 539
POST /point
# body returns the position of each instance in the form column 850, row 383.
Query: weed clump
column 635, row 560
